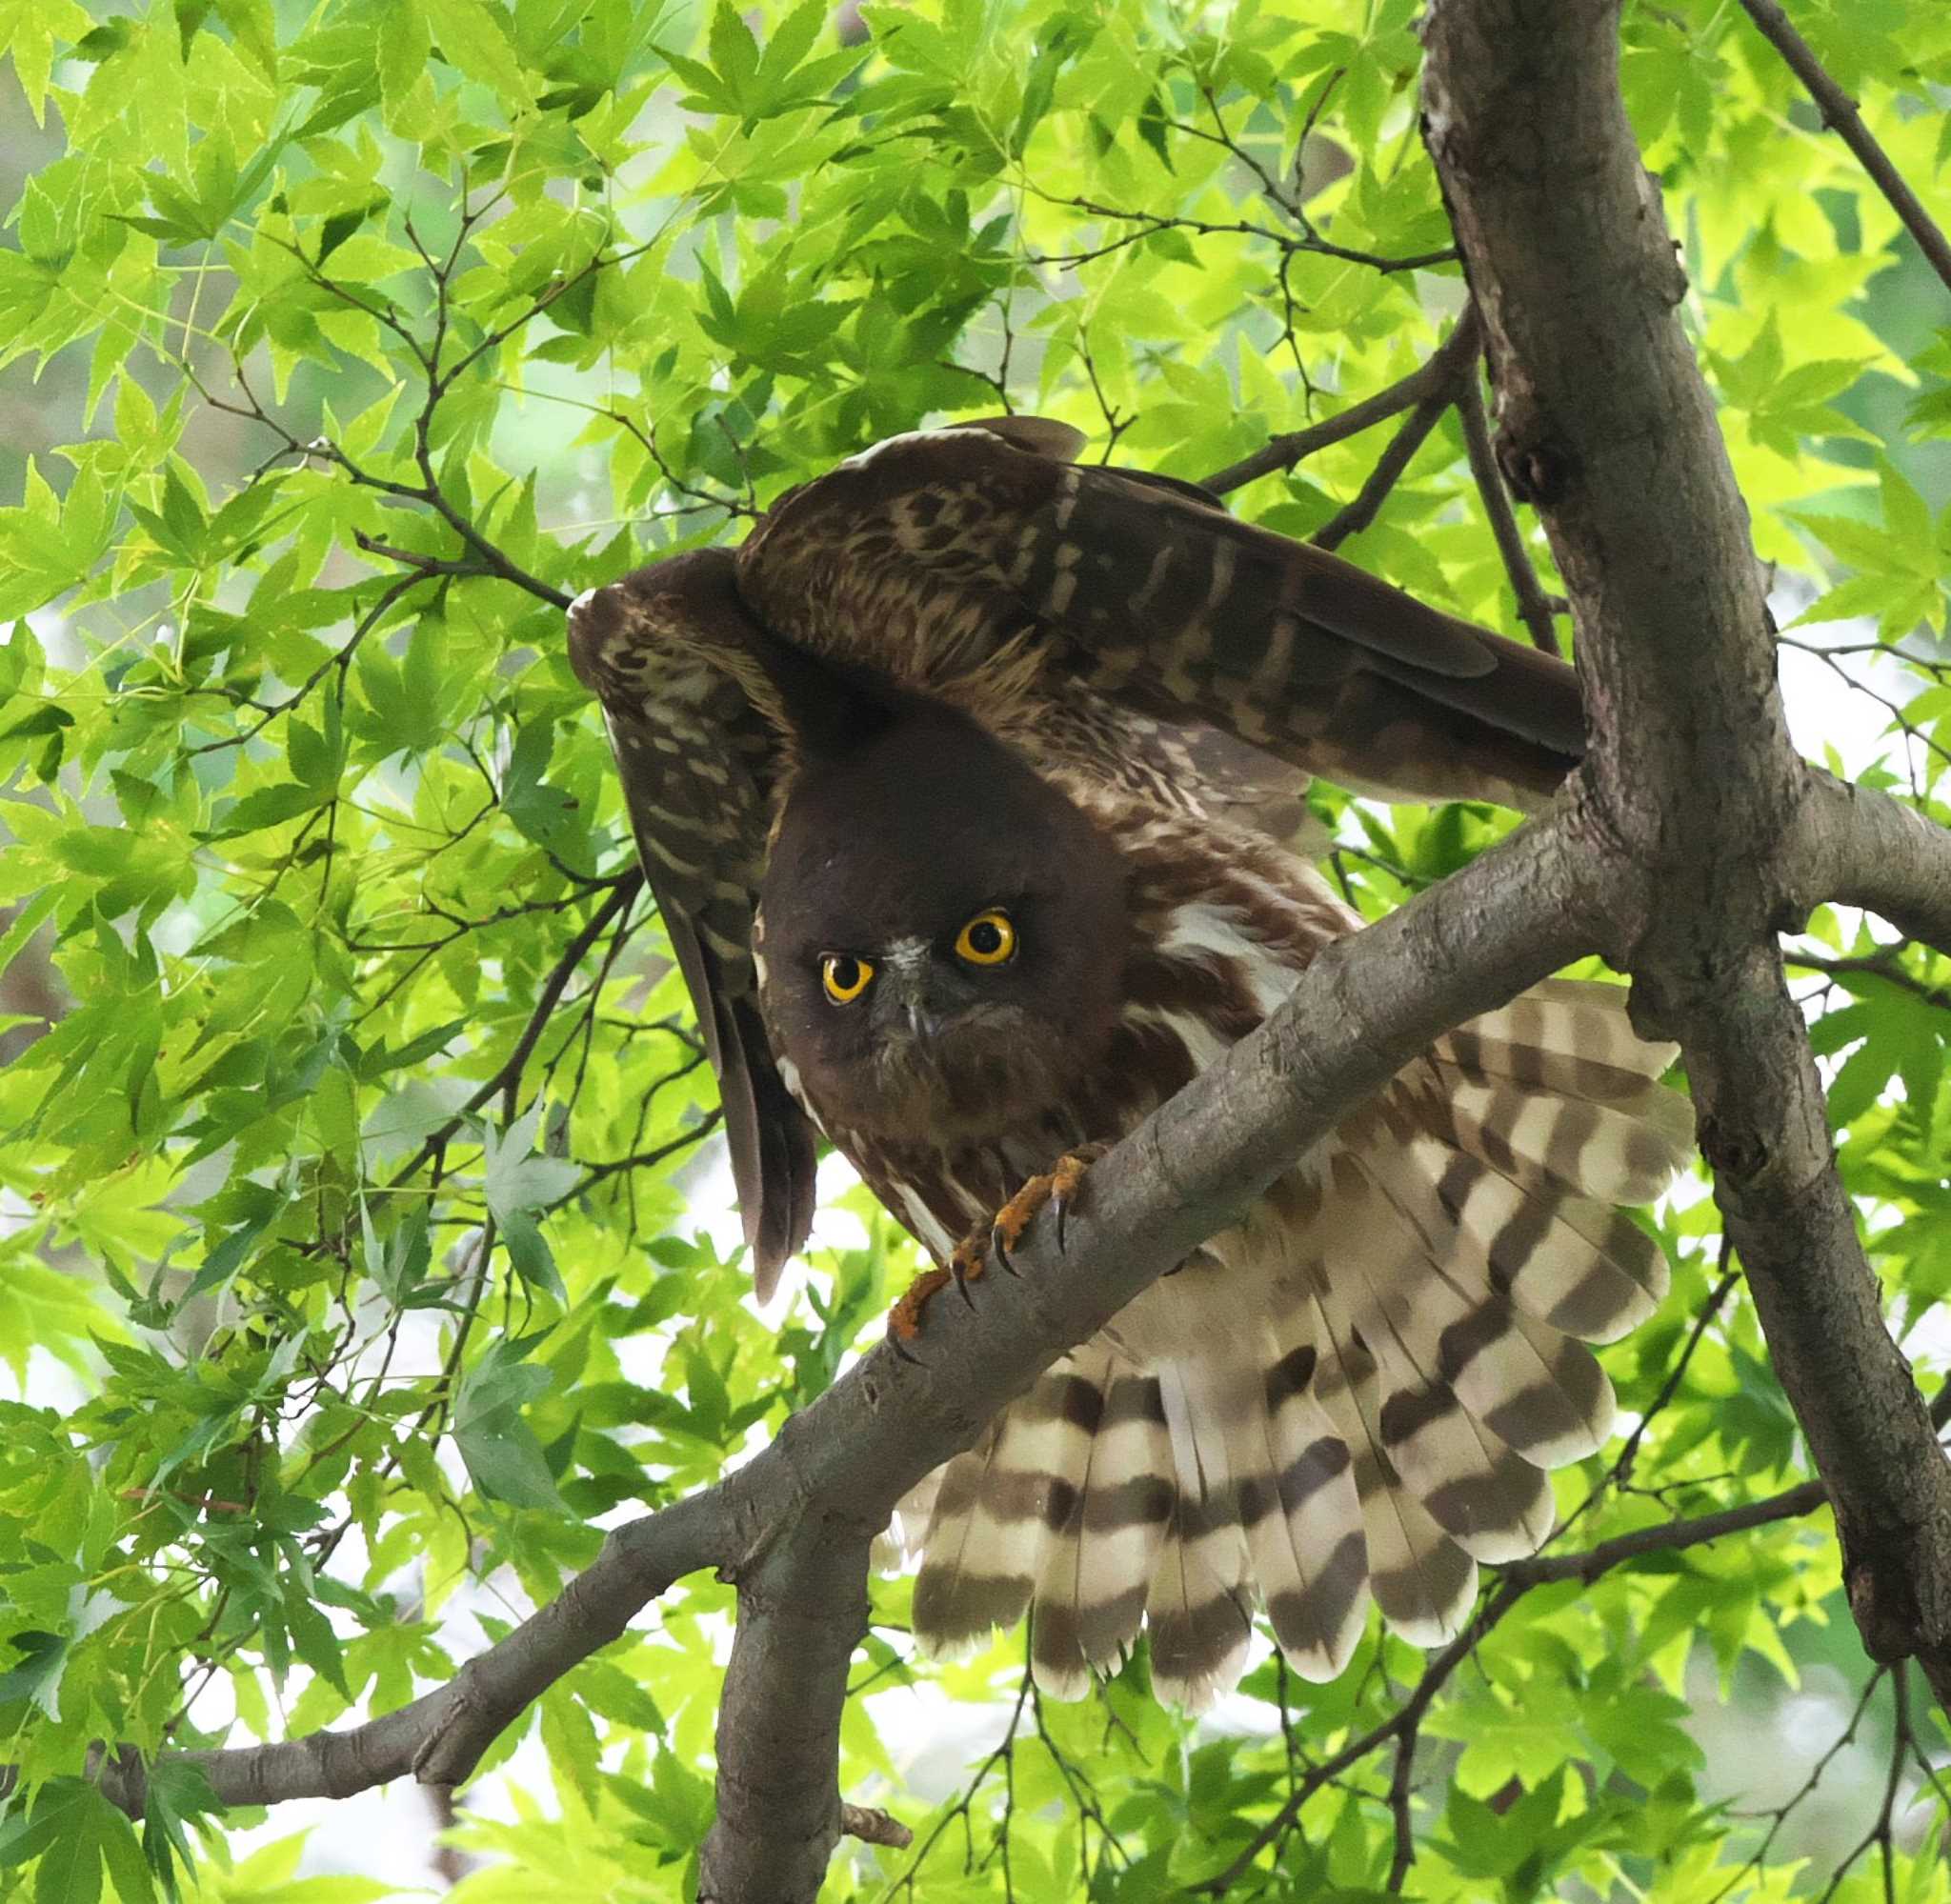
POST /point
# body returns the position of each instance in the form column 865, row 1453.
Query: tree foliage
column 357, row 1252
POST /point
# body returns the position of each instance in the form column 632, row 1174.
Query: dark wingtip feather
column 1037, row 436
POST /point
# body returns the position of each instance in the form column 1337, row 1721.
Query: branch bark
column 1534, row 606
column 1606, row 423
column 439, row 1738
column 1861, row 847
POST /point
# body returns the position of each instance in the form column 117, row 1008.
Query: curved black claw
column 1066, row 1179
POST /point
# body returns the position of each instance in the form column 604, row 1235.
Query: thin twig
column 1588, row 1565
column 1459, row 358
column 1779, row 1813
column 1881, row 965
column 1404, row 1854
column 507, row 1075
column 1533, row 605
column 1295, row 447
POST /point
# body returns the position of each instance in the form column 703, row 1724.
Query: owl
column 969, row 788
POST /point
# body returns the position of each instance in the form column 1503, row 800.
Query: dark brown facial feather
column 884, row 853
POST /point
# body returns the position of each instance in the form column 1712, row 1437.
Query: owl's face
column 942, row 935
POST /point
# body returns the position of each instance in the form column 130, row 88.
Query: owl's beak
column 910, row 999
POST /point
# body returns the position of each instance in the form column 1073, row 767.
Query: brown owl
column 963, row 786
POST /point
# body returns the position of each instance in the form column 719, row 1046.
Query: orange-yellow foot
column 1058, row 1188
column 904, row 1319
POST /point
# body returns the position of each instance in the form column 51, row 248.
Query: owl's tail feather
column 1462, row 1238
column 1422, row 1582
column 1301, row 1507
column 991, row 1510
column 1105, row 1527
column 1416, row 1305
column 1068, row 1498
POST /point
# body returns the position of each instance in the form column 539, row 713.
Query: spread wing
column 677, row 662
column 928, row 553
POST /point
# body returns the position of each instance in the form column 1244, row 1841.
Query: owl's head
column 942, row 933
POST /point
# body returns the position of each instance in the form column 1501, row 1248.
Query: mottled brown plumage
column 961, row 786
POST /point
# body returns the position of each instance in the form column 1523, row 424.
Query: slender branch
column 412, row 558
column 1881, row 965
column 1881, row 1833
column 1667, row 1536
column 1283, row 452
column 1403, row 1824
column 1780, row 1814
column 1457, row 362
column 642, row 1159
column 1840, row 115
column 1533, row 605
column 340, row 658
column 508, row 1075
column 439, row 1738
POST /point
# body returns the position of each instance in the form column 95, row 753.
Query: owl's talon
column 970, row 1257
column 1066, row 1179
column 1058, row 1188
column 969, row 1261
column 904, row 1319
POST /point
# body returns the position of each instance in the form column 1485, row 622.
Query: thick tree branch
column 1606, row 424
column 1863, row 848
column 1841, row 117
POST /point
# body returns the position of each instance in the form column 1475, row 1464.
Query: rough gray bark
column 1607, row 426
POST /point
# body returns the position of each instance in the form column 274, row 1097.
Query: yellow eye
column 989, row 938
column 844, row 976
